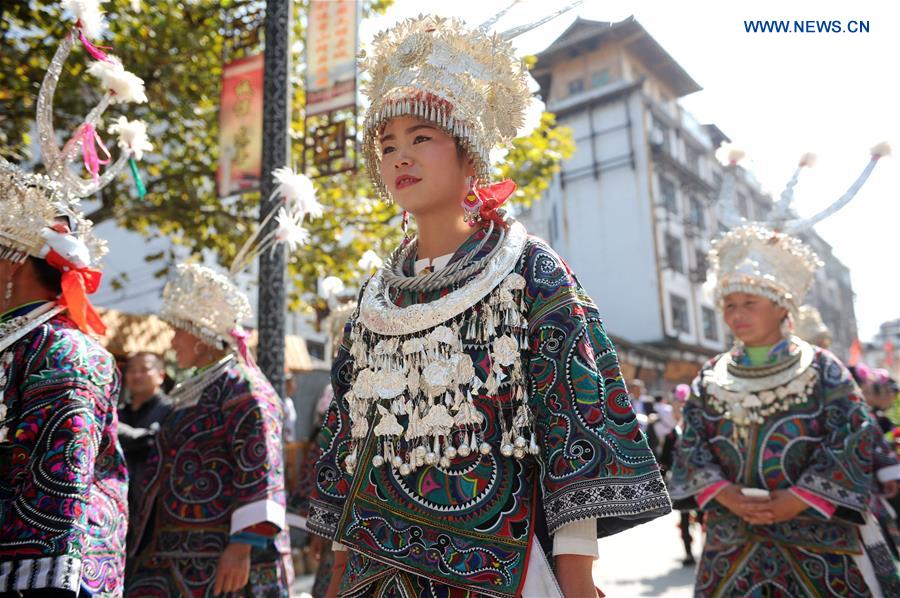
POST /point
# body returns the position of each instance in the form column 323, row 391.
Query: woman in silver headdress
column 212, row 517
column 777, row 447
column 481, row 437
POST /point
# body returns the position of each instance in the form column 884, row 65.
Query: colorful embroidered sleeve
column 253, row 418
column 696, row 475
column 596, row 460
column 332, row 483
column 62, row 475
column 840, row 470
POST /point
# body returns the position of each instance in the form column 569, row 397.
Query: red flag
column 889, row 355
column 855, row 352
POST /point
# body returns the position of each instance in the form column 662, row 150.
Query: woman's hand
column 337, row 572
column 784, row 505
column 574, row 574
column 755, row 510
column 233, row 570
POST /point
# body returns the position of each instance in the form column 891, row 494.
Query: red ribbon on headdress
column 492, row 197
column 77, row 284
column 242, row 338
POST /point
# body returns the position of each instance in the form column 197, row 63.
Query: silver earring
column 8, row 293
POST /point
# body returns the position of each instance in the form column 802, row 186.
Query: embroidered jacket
column 471, row 525
column 216, row 474
column 63, row 482
column 816, row 442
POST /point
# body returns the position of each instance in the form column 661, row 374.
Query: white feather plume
column 289, row 230
column 369, row 261
column 330, row 286
column 882, row 149
column 126, row 86
column 88, row 14
column 808, row 160
column 735, row 155
column 132, row 136
column 298, row 192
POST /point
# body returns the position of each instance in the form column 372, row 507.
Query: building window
column 667, row 193
column 576, row 86
column 743, row 206
column 697, row 217
column 660, row 132
column 710, row 325
column 679, row 313
column 673, row 253
column 600, row 78
column 692, row 157
column 702, row 266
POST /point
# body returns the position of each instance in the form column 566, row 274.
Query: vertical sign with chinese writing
column 240, row 126
column 330, row 56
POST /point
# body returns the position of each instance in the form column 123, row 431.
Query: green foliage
column 894, row 412
column 178, row 48
column 534, row 159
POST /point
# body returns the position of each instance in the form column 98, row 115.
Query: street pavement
column 646, row 561
column 642, row 561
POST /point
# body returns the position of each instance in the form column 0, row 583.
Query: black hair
column 857, row 376
column 49, row 277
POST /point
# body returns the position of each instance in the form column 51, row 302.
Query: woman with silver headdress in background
column 777, row 447
column 213, row 517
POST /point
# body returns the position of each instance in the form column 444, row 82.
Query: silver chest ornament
column 415, row 381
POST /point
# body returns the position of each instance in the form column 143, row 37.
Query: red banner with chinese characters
column 331, row 56
column 240, row 126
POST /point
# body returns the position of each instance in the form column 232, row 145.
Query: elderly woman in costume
column 212, row 519
column 63, row 481
column 481, row 437
column 777, row 442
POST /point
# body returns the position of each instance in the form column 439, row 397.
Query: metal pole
column 275, row 154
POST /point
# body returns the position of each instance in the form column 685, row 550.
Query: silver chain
column 188, row 392
column 457, row 272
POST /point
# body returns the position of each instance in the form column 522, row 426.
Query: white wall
column 605, row 230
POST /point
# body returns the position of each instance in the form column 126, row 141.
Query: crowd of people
column 478, row 435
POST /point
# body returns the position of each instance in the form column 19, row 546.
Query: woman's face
column 421, row 167
column 755, row 320
column 187, row 348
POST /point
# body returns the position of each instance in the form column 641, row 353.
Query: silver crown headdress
column 764, row 258
column 207, row 302
column 39, row 213
column 31, row 204
column 467, row 81
column 757, row 260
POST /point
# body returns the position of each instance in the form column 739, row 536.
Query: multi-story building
column 884, row 350
column 634, row 209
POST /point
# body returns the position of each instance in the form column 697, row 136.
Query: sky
column 776, row 95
